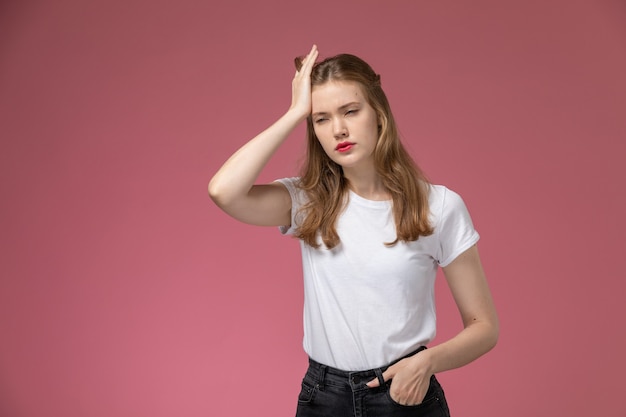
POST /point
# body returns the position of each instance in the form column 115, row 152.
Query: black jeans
column 330, row 392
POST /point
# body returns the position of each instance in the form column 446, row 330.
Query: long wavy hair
column 324, row 183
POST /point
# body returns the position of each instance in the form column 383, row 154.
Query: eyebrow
column 342, row 107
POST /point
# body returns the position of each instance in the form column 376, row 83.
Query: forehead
column 333, row 94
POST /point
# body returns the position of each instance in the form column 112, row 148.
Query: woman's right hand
column 301, row 85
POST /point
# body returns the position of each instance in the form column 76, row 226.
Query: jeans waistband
column 339, row 372
column 355, row 378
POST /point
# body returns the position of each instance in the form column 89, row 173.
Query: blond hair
column 324, row 183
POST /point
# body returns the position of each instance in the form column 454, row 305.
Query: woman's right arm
column 232, row 187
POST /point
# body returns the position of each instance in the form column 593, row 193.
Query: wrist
column 293, row 113
column 423, row 361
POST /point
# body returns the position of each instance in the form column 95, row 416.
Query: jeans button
column 356, row 379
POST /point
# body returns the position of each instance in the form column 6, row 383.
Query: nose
column 339, row 129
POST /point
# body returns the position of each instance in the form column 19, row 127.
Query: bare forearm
column 469, row 287
column 468, row 345
column 237, row 176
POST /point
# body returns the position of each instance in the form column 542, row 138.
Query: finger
column 309, row 60
column 301, row 61
column 387, row 375
column 311, row 52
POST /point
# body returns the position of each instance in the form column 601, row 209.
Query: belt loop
column 320, row 383
column 379, row 375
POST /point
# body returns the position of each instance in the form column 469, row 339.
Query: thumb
column 387, row 375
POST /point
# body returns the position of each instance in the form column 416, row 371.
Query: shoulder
column 454, row 229
column 444, row 202
column 440, row 195
column 292, row 184
column 289, row 182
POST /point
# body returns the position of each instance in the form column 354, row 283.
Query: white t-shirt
column 366, row 304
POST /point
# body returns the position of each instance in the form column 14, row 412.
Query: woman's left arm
column 471, row 293
column 468, row 284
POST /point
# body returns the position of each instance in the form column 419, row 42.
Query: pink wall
column 125, row 292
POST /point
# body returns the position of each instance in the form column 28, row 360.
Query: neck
column 366, row 184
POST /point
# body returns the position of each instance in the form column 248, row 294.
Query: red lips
column 344, row 146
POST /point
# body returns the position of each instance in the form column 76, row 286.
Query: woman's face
column 344, row 123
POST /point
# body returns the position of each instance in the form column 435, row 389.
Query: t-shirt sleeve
column 290, row 184
column 456, row 231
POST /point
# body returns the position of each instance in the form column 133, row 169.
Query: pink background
column 125, row 292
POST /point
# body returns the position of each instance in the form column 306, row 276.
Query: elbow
column 493, row 335
column 216, row 192
column 488, row 338
column 223, row 195
column 493, row 340
column 487, row 333
column 491, row 329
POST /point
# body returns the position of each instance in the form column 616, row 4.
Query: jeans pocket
column 428, row 401
column 307, row 393
column 433, row 404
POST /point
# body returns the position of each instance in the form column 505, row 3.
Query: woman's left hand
column 410, row 379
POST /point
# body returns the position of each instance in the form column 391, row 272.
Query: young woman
column 373, row 232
